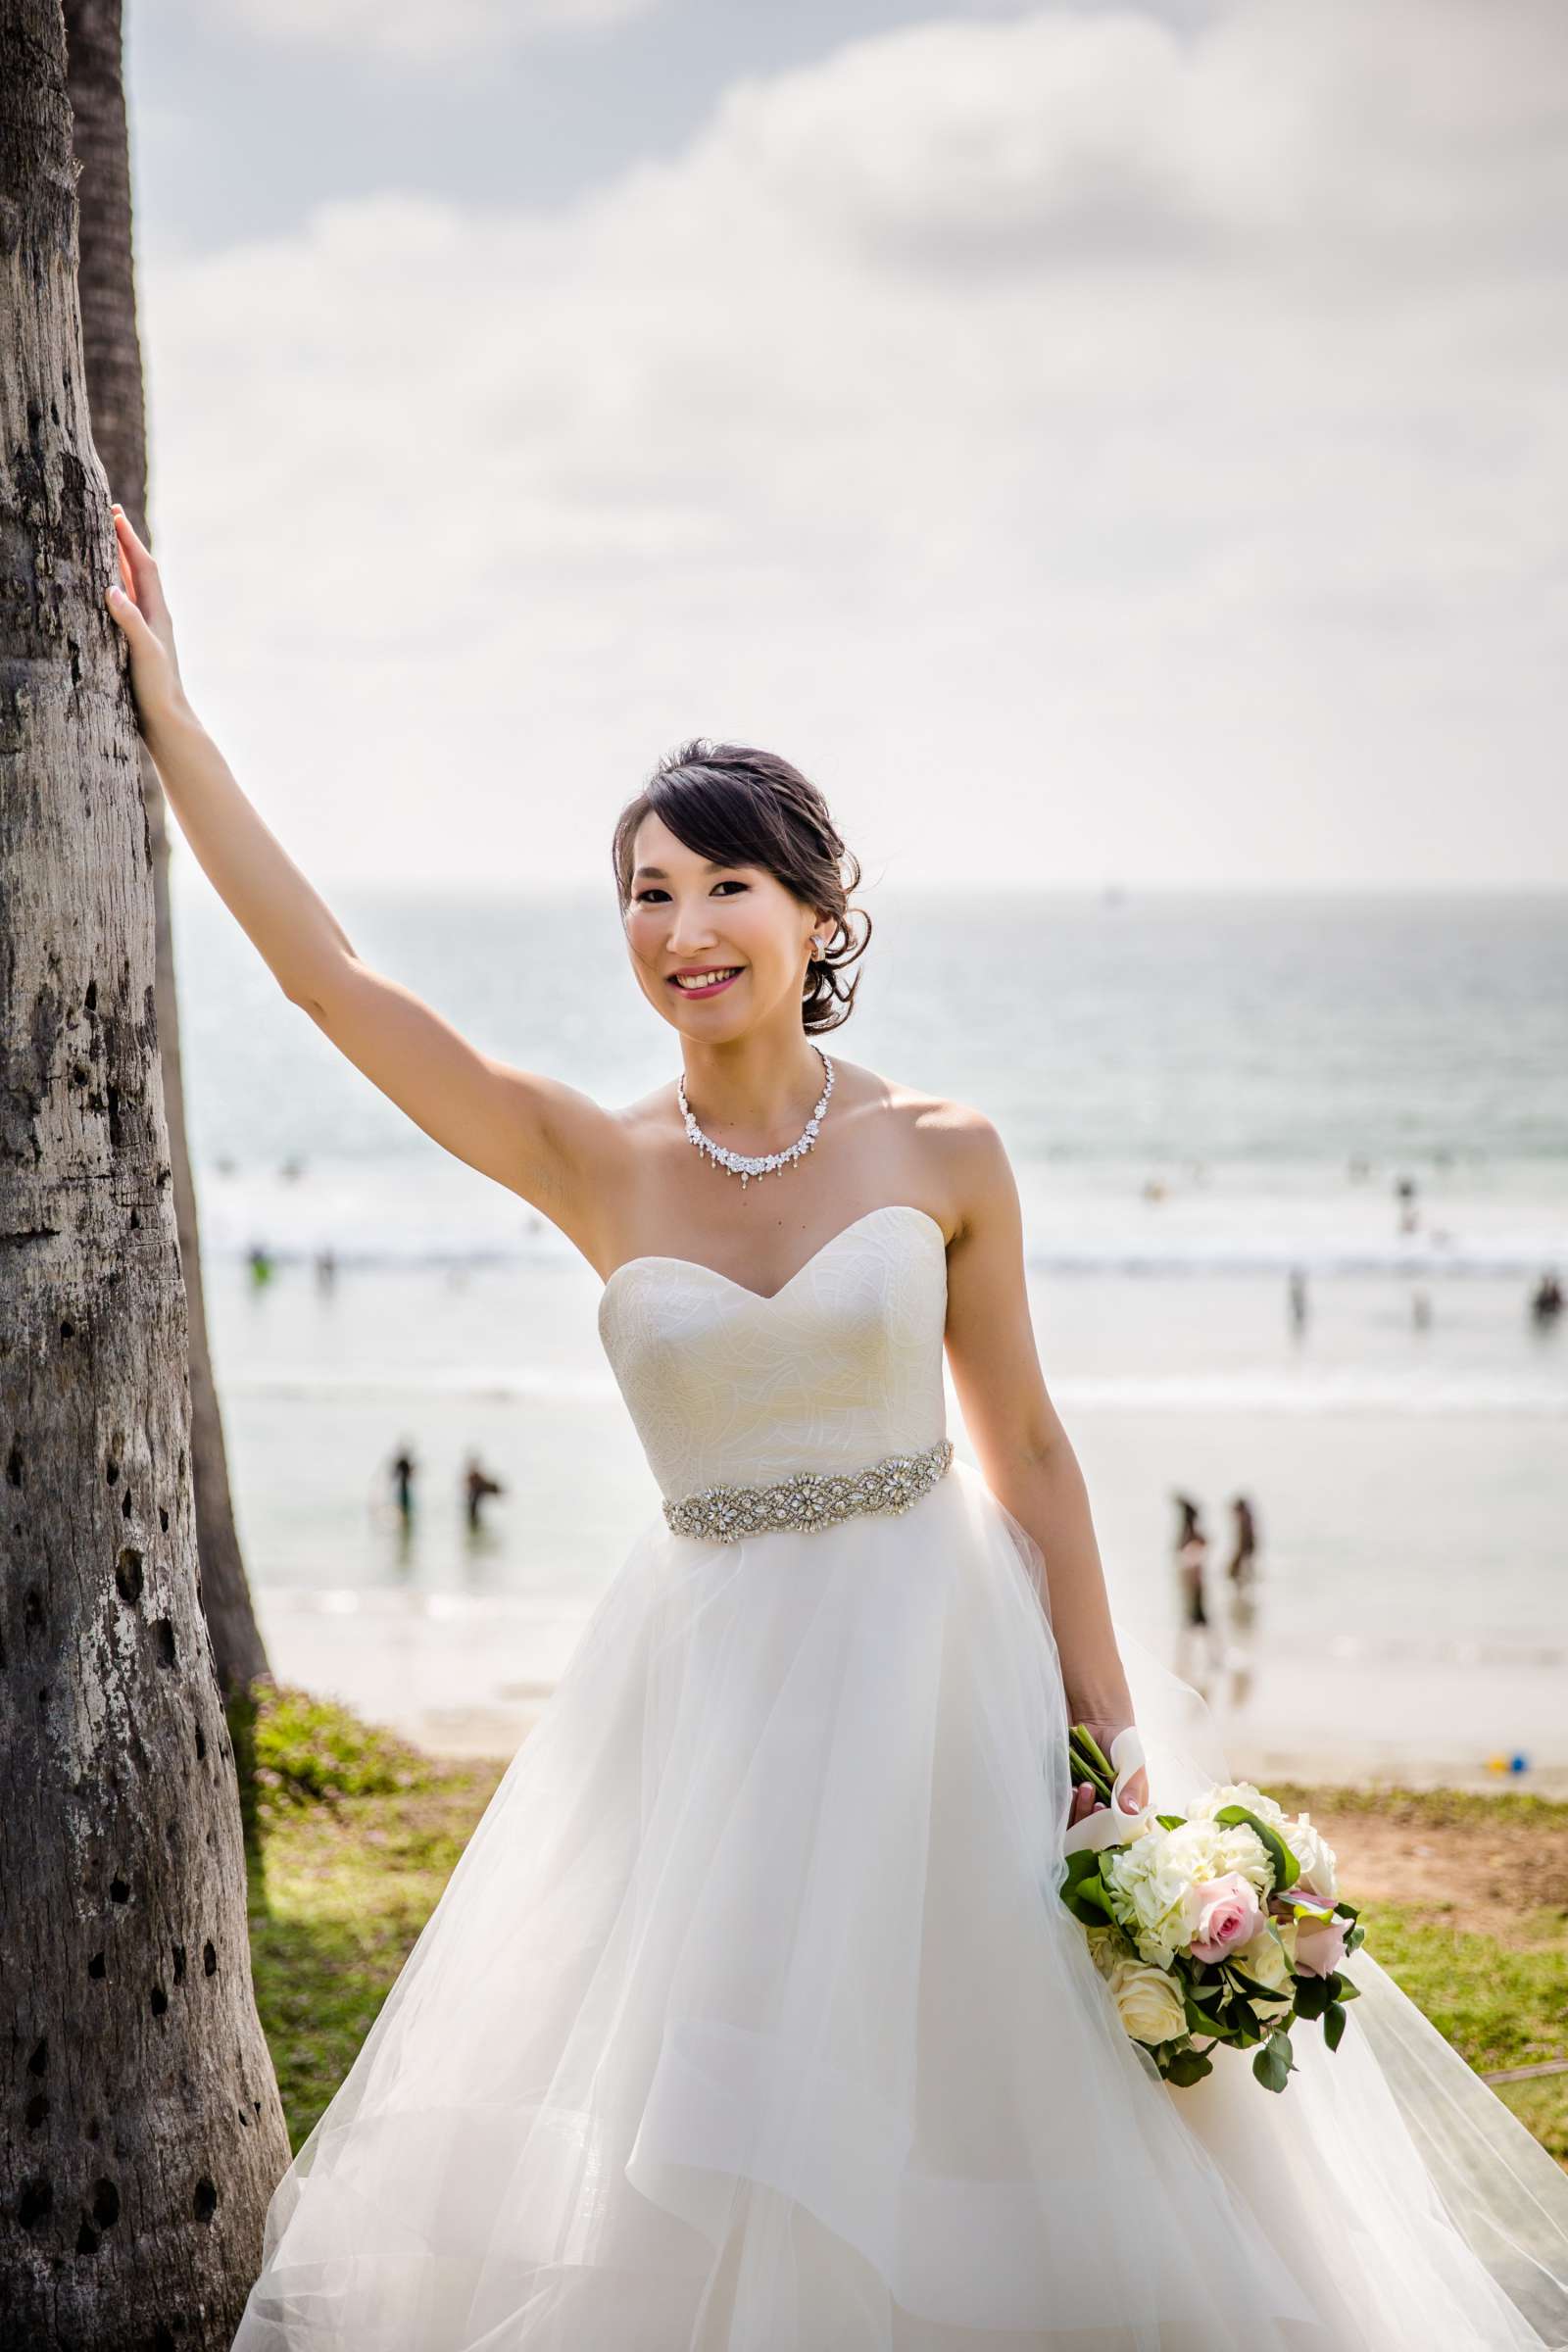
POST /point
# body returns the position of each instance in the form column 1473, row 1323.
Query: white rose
column 1148, row 2001
column 1240, row 1792
column 1269, row 1960
column 1315, row 1857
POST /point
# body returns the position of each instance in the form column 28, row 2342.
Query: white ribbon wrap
column 1111, row 1825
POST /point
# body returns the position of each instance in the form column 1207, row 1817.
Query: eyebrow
column 657, row 873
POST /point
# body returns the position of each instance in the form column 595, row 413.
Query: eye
column 651, row 889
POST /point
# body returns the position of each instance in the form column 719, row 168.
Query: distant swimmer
column 1241, row 1598
column 1405, row 1192
column 477, row 1485
column 1297, row 1296
column 1241, row 1569
column 403, row 1473
column 1195, row 1641
column 1545, row 1305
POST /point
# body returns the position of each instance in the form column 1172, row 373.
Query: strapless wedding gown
column 750, row 2018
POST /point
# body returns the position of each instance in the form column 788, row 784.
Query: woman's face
column 685, row 916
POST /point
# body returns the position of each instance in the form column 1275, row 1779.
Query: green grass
column 359, row 1834
column 1432, row 1808
column 1500, row 2005
column 307, row 1748
column 1501, row 2000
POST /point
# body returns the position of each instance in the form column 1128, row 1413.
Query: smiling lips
column 705, row 983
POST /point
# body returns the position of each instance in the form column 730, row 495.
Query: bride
column 749, row 2016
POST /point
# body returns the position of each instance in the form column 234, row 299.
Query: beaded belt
column 810, row 1499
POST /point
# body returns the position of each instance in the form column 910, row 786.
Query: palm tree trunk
column 143, row 2128
column 112, row 348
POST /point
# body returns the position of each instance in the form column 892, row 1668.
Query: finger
column 1134, row 1796
column 132, row 623
column 145, row 585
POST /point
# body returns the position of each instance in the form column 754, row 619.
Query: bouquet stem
column 1089, row 1762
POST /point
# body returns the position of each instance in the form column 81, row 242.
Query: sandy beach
column 446, row 1682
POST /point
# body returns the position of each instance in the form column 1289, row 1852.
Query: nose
column 687, row 936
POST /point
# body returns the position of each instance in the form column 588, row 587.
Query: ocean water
column 1199, row 1096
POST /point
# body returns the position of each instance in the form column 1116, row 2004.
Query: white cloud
column 1091, row 449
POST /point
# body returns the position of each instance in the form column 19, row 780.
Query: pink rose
column 1319, row 1945
column 1227, row 1915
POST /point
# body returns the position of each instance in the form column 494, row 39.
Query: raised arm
column 1023, row 1450
column 545, row 1141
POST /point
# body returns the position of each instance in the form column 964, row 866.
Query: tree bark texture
column 142, row 2128
column 111, row 349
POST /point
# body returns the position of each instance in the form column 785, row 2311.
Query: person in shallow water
column 402, row 1473
column 477, row 1487
column 751, row 2016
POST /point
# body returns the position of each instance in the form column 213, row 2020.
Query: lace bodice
column 841, row 1366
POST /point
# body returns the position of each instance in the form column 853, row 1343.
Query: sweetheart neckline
column 767, row 1298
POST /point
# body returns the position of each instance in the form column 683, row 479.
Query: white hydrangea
column 1205, row 1850
column 1152, row 1884
column 1151, row 1892
column 1240, row 1792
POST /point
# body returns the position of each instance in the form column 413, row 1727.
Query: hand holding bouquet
column 1222, row 1925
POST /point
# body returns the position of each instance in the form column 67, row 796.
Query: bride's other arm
column 1023, row 1450
column 543, row 1140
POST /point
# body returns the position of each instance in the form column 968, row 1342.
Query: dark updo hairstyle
column 741, row 806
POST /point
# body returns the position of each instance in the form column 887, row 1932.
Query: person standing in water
column 402, row 1468
column 1297, row 1298
column 1195, row 1638
column 476, row 1485
column 1241, row 1598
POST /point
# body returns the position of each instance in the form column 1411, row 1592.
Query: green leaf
column 1250, row 1984
column 1345, row 1990
column 1333, row 2024
column 1186, row 2067
column 1274, row 2064
column 1287, row 1870
column 1170, row 1821
column 1199, row 2018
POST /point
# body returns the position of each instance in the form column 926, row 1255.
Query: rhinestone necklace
column 746, row 1165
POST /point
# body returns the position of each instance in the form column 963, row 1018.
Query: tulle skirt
column 750, row 2019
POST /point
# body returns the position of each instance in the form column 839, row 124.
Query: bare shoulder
column 952, row 1150
column 978, row 1178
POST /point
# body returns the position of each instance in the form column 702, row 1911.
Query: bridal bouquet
column 1222, row 1925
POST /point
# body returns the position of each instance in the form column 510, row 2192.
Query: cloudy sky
column 1098, row 443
